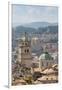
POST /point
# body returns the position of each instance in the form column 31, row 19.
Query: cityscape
column 34, row 45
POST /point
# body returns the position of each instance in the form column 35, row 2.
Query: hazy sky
column 22, row 14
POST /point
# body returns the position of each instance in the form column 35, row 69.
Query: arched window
column 27, row 50
column 25, row 43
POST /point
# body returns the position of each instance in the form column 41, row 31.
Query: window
column 27, row 50
column 46, row 78
column 25, row 43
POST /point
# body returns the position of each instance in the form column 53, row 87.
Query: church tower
column 24, row 51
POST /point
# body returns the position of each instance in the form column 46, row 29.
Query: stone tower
column 24, row 51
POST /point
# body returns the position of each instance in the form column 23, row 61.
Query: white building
column 45, row 60
column 24, row 51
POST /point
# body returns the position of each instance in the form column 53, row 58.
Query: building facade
column 24, row 51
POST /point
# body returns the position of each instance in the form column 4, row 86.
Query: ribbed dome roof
column 45, row 56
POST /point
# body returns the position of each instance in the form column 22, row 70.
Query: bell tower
column 24, row 51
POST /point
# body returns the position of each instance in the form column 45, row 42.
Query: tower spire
column 26, row 36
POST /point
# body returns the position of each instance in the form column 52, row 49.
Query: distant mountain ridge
column 39, row 24
column 19, row 30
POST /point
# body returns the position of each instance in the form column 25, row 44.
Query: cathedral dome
column 45, row 56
